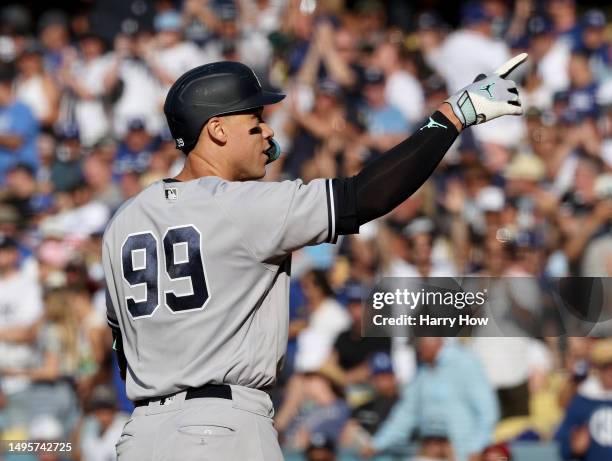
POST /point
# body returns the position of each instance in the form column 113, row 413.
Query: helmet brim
column 263, row 98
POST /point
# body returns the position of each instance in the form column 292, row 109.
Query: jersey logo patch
column 171, row 193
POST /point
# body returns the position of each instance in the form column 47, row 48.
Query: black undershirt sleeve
column 393, row 177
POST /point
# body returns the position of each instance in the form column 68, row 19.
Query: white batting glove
column 489, row 97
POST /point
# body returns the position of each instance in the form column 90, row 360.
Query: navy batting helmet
column 219, row 88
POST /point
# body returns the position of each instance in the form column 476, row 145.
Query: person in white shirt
column 139, row 90
column 36, row 88
column 20, row 311
column 550, row 55
column 402, row 89
column 101, row 430
column 84, row 75
column 327, row 318
column 452, row 63
column 168, row 54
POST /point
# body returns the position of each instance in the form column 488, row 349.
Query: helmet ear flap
column 184, row 140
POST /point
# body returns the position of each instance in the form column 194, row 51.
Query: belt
column 219, row 391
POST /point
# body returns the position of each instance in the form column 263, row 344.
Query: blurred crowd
column 82, row 130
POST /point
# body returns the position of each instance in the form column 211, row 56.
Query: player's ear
column 216, row 130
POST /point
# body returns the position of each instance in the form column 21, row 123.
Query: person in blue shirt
column 586, row 431
column 18, row 127
column 135, row 151
column 450, row 386
column 582, row 93
column 386, row 126
column 592, row 42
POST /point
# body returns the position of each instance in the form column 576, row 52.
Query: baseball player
column 197, row 266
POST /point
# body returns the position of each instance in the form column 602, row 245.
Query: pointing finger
column 512, row 64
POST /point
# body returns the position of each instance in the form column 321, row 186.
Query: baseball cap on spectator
column 560, row 97
column 168, row 21
column 330, row 88
column 227, row 12
column 7, row 242
column 52, row 18
column 594, row 18
column 433, row 429
column 68, row 131
column 418, row 226
column 33, row 47
column 353, row 292
column 490, row 199
column 428, row 20
column 500, row 448
column 373, row 76
column 529, row 239
column 525, row 167
column 137, row 124
column 102, row 397
column 601, row 353
column 17, row 18
column 320, row 441
column 539, row 25
column 474, row 13
column 433, row 84
column 381, row 363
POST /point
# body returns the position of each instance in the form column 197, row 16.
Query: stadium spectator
column 167, row 54
column 450, row 386
column 65, row 168
column 18, row 127
column 55, row 39
column 585, row 431
column 323, row 411
column 373, row 413
column 320, row 448
column 385, row 124
column 36, row 88
column 83, row 75
column 100, row 430
column 20, row 313
column 135, row 151
column 402, row 89
column 352, row 352
column 134, row 92
column 549, row 54
column 592, row 42
column 326, row 319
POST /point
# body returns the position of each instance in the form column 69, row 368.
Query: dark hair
column 320, row 280
column 23, row 167
column 7, row 72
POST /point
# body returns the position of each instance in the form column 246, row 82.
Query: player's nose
column 266, row 131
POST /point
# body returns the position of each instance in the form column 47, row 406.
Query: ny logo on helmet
column 180, row 143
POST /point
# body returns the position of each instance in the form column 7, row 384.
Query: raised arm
column 394, row 176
